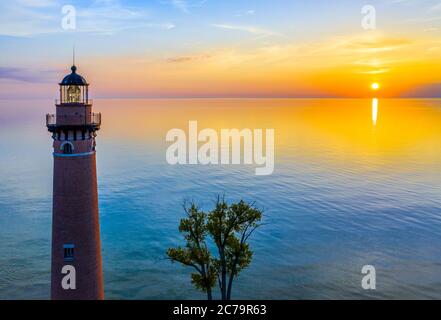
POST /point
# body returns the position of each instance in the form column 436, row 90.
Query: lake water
column 356, row 183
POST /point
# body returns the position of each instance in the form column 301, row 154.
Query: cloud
column 249, row 29
column 25, row 18
column 38, row 3
column 430, row 29
column 111, row 16
column 186, row 5
column 250, row 12
column 363, row 44
column 378, row 71
column 26, row 75
column 432, row 90
column 182, row 59
column 436, row 7
column 350, row 54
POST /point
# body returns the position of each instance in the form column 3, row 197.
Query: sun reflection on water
column 374, row 111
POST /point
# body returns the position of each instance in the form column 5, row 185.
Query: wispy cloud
column 181, row 59
column 430, row 90
column 365, row 53
column 436, row 7
column 249, row 29
column 32, row 17
column 38, row 3
column 111, row 16
column 378, row 71
column 250, row 12
column 186, row 5
column 27, row 75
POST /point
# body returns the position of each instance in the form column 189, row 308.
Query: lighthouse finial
column 74, row 67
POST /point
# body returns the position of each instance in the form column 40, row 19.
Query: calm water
column 354, row 184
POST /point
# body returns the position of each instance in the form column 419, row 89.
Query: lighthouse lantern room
column 74, row 89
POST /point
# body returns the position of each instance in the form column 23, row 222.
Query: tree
column 196, row 253
column 230, row 227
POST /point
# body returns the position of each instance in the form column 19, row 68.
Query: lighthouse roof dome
column 73, row 79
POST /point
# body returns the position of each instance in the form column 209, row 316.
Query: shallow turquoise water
column 331, row 206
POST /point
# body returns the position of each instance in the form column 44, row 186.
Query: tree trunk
column 233, row 272
column 230, row 286
column 207, row 285
column 223, row 276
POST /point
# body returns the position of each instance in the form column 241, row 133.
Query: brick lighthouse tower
column 76, row 251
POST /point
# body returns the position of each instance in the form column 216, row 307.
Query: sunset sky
column 209, row 48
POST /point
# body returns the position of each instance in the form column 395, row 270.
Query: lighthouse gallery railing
column 51, row 120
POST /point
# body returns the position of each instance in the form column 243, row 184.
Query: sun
column 375, row 86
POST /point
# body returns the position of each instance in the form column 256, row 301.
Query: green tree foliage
column 196, row 253
column 229, row 227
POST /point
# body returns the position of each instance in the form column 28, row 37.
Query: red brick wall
column 74, row 114
column 76, row 221
column 80, row 146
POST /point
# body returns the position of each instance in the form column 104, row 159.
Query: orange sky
column 344, row 66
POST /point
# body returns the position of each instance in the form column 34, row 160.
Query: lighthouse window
column 73, row 94
column 67, row 148
column 68, row 252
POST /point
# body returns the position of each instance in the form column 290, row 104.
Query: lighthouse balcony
column 92, row 122
column 73, row 102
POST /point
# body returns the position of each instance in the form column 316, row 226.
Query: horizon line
column 237, row 98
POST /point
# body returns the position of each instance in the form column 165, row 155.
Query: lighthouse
column 76, row 270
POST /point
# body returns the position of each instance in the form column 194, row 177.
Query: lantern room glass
column 73, row 94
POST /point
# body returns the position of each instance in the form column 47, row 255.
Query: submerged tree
column 230, row 227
